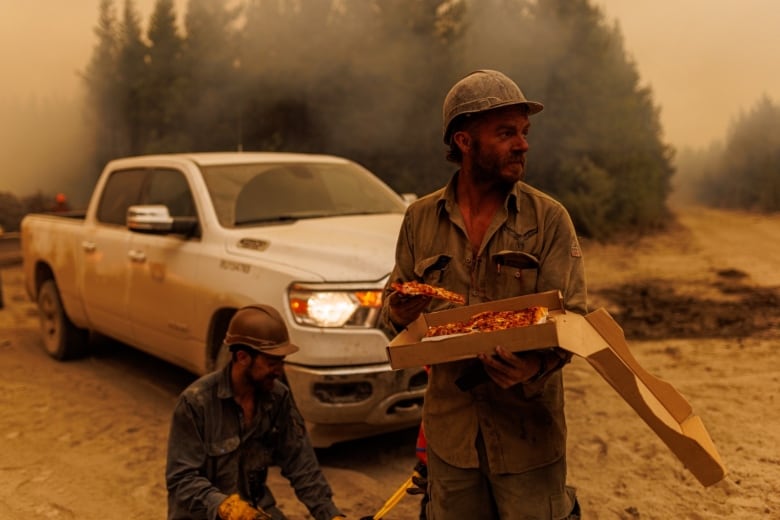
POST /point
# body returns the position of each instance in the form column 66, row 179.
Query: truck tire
column 62, row 340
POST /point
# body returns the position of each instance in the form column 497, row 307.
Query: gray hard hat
column 479, row 91
column 261, row 328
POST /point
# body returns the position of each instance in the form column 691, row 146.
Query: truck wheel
column 61, row 338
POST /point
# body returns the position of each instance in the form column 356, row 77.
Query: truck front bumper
column 343, row 403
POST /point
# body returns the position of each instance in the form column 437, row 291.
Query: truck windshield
column 246, row 194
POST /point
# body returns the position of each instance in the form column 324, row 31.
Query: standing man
column 496, row 450
column 229, row 426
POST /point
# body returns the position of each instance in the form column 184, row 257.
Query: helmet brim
column 533, row 107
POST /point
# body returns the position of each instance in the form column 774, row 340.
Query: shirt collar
column 447, row 200
column 224, row 389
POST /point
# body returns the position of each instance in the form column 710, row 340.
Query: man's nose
column 521, row 143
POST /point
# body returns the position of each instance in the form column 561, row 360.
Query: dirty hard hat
column 261, row 328
column 480, row 91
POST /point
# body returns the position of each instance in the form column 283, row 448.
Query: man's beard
column 265, row 385
column 488, row 168
column 262, row 386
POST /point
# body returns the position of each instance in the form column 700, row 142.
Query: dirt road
column 86, row 439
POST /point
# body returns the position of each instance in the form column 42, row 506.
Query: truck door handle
column 88, row 247
column 137, row 256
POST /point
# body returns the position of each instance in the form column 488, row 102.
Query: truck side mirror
column 155, row 218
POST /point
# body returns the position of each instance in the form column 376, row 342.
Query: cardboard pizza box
column 408, row 349
column 597, row 338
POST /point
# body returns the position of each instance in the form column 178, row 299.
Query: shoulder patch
column 575, row 249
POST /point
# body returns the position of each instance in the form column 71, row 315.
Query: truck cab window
column 170, row 188
column 122, row 190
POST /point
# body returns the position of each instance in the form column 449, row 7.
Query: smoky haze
column 705, row 61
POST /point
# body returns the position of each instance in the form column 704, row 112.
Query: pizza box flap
column 657, row 402
column 595, row 337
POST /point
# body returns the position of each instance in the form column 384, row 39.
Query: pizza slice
column 414, row 288
column 489, row 321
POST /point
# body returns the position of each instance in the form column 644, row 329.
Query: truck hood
column 335, row 249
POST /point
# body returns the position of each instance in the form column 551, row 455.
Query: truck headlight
column 332, row 307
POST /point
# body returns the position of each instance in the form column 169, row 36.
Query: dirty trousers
column 455, row 493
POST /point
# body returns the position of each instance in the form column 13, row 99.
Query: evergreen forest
column 366, row 79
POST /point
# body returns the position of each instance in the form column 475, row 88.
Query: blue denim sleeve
column 190, row 494
column 298, row 462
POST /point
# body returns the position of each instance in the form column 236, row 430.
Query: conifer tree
column 212, row 71
column 102, row 87
column 747, row 175
column 165, row 106
column 132, row 76
column 597, row 146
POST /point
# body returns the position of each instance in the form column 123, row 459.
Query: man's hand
column 404, row 309
column 509, row 369
column 233, row 508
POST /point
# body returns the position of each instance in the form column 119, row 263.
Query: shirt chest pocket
column 432, row 270
column 514, row 273
column 223, row 447
column 223, row 455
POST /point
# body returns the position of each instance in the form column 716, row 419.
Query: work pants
column 456, row 493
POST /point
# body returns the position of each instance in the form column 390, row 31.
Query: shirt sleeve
column 403, row 271
column 188, row 489
column 298, row 463
column 562, row 266
column 562, row 269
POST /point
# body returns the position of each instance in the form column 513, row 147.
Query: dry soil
column 699, row 305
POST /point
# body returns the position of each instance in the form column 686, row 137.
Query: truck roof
column 213, row 158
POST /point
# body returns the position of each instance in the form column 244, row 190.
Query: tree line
column 366, row 79
column 744, row 171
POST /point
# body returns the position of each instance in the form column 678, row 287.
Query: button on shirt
column 210, row 454
column 523, row 427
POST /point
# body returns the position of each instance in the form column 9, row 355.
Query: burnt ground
column 660, row 309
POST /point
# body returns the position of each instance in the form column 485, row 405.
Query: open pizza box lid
column 595, row 337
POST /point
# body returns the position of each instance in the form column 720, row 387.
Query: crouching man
column 229, row 426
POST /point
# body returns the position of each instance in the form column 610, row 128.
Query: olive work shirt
column 211, row 455
column 523, row 427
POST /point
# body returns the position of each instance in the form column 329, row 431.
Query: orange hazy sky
column 705, row 60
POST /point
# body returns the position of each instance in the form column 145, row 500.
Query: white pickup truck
column 171, row 245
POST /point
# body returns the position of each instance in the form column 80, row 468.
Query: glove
column 233, row 508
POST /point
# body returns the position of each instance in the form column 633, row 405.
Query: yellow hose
column 395, row 498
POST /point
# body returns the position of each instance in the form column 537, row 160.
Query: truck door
column 106, row 262
column 163, row 277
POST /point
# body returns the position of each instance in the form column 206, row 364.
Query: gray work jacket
column 211, row 455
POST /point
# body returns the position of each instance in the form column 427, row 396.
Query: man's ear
column 462, row 140
column 243, row 357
